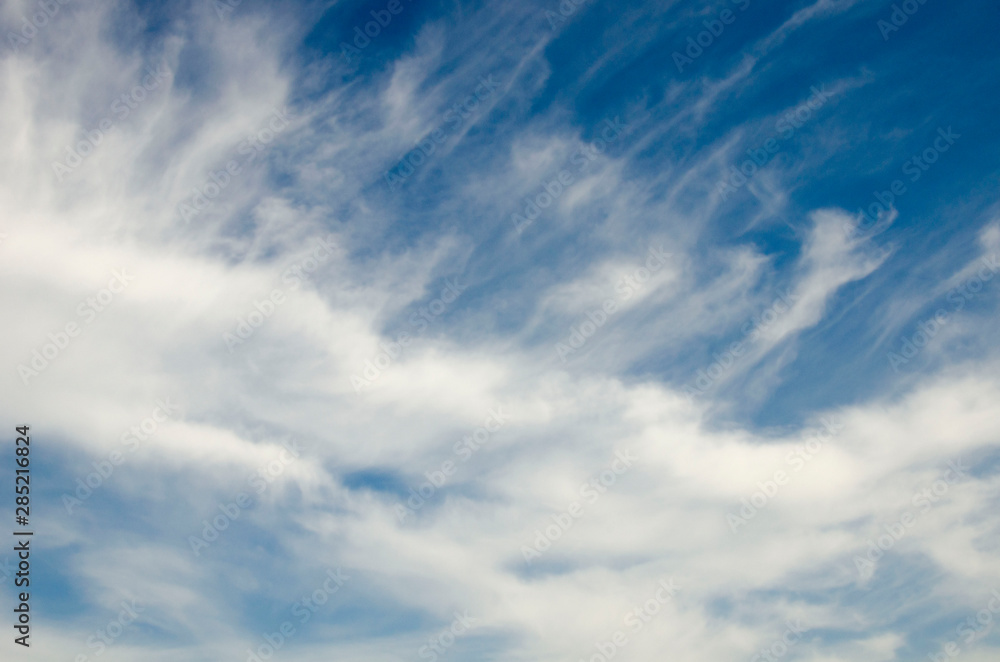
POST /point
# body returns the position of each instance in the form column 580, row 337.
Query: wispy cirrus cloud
column 355, row 261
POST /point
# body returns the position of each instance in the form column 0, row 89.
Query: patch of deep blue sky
column 938, row 70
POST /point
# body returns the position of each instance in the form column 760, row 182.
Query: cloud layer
column 446, row 342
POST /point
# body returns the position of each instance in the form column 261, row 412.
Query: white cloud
column 162, row 336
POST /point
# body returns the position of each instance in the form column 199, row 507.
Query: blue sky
column 455, row 330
